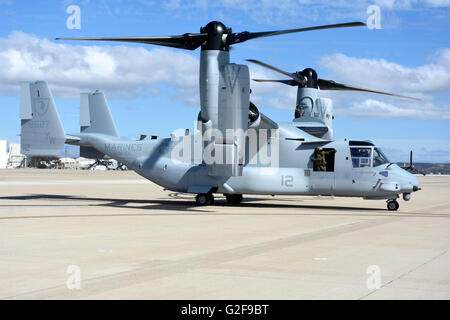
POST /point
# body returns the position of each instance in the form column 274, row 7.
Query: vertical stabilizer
column 42, row 133
column 95, row 116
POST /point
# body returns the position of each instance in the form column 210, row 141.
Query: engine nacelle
column 314, row 114
column 225, row 128
column 324, row 111
column 254, row 117
column 257, row 120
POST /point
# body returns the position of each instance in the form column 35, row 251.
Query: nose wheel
column 393, row 205
column 204, row 199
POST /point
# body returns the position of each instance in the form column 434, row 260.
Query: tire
column 204, row 199
column 234, row 198
column 210, row 198
column 393, row 205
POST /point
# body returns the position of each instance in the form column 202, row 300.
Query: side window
column 361, row 157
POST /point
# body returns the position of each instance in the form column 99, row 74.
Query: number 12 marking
column 287, row 181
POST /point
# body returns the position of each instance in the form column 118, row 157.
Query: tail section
column 95, row 117
column 42, row 133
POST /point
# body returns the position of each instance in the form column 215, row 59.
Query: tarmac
column 67, row 234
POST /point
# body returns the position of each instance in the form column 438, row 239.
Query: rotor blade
column 189, row 41
column 331, row 85
column 244, row 36
column 290, row 75
column 288, row 82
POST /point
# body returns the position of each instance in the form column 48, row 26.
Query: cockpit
column 366, row 155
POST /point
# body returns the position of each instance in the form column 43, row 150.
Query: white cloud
column 120, row 71
column 385, row 75
column 286, row 12
column 387, row 4
column 127, row 72
column 371, row 108
column 437, row 3
column 271, row 94
column 428, row 82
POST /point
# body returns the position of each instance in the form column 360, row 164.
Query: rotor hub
column 311, row 78
column 217, row 33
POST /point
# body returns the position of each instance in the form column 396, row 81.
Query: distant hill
column 430, row 168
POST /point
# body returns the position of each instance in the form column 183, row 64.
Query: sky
column 154, row 90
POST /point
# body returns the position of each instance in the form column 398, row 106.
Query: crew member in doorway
column 319, row 158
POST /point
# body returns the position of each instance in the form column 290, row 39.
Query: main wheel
column 393, row 205
column 210, row 198
column 234, row 198
column 204, row 199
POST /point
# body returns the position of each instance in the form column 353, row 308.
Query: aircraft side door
column 323, row 182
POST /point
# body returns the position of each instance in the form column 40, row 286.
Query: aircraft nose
column 409, row 183
column 415, row 183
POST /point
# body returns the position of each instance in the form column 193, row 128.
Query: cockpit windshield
column 379, row 158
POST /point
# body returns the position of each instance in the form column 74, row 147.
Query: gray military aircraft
column 237, row 149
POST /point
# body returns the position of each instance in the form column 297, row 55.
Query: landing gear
column 393, row 205
column 204, row 199
column 234, row 198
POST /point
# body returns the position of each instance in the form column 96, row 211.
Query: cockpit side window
column 361, row 157
column 379, row 158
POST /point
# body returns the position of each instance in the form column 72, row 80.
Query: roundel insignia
column 40, row 106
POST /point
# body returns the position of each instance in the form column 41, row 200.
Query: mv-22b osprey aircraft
column 259, row 156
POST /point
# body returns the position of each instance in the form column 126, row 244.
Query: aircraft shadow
column 187, row 205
